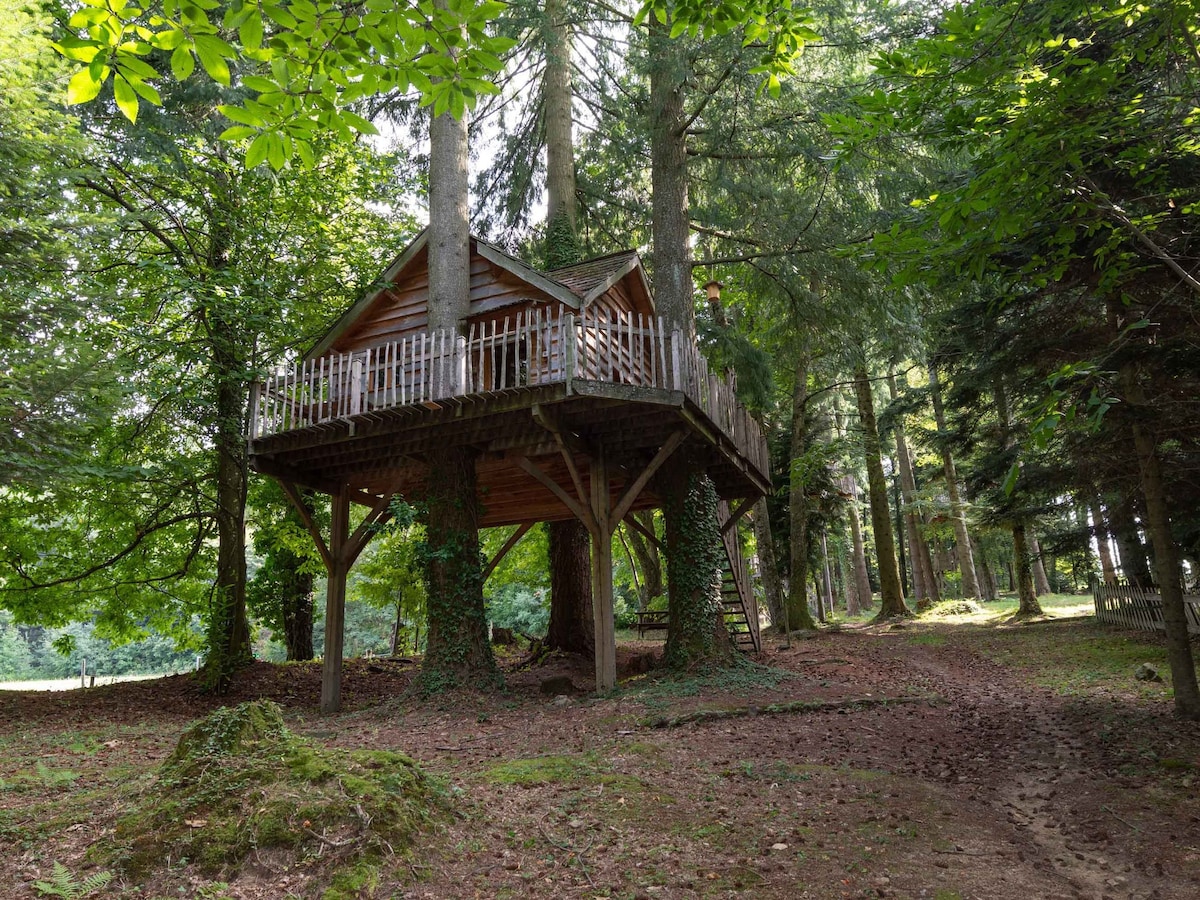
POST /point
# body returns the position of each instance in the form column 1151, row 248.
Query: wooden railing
column 527, row 350
column 1122, row 603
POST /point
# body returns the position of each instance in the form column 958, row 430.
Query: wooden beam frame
column 581, row 512
column 737, row 512
column 297, row 501
column 512, row 541
column 645, row 532
column 634, row 490
column 567, row 447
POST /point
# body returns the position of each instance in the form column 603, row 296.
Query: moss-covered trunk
column 458, row 651
column 696, row 632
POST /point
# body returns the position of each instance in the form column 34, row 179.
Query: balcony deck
column 530, row 394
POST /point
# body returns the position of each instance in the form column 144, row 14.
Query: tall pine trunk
column 925, row 586
column 1040, row 582
column 696, row 631
column 962, row 539
column 1108, row 571
column 891, row 596
column 572, row 628
column 796, row 611
column 1022, row 559
column 1166, row 554
column 457, row 649
column 1129, row 543
column 768, row 566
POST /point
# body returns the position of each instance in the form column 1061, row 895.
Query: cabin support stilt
column 335, row 604
column 602, row 583
column 338, row 555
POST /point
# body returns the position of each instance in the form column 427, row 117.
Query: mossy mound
column 954, row 608
column 241, row 781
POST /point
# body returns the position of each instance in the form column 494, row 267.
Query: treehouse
column 570, row 390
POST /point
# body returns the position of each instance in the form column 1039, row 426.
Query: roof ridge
column 585, row 262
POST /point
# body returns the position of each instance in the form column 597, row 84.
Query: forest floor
column 933, row 759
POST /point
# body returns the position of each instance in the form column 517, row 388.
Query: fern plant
column 63, row 883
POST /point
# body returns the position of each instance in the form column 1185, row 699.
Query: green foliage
column 780, row 29
column 524, row 611
column 64, row 884
column 302, row 67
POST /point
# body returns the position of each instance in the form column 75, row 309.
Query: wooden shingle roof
column 589, row 279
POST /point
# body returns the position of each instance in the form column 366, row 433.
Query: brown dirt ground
column 981, row 785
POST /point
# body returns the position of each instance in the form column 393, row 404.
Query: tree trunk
column 449, row 230
column 861, row 579
column 571, row 626
column 1129, row 543
column 925, row 586
column 1023, row 563
column 1040, row 582
column 571, row 629
column 458, row 651
column 797, row 613
column 648, row 560
column 768, row 566
column 562, row 240
column 962, row 539
column 696, row 631
column 228, row 626
column 693, row 544
column 891, row 600
column 298, row 618
column 457, row 647
column 1166, row 559
column 983, row 572
column 1107, row 570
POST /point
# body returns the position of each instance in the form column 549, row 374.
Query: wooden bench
column 651, row 620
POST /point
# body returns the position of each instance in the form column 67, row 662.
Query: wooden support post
column 602, row 584
column 335, row 604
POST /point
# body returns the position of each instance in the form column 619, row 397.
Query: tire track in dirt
column 1027, row 756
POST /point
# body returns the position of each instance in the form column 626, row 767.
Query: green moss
column 359, row 880
column 240, row 780
column 541, row 770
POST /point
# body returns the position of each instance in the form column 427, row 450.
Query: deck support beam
column 339, row 555
column 513, row 540
column 335, row 604
column 602, row 583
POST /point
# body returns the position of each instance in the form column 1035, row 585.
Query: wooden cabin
column 565, row 382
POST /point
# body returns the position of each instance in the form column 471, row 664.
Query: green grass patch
column 1081, row 658
column 927, row 639
column 745, row 677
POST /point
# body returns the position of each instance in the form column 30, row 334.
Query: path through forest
column 980, row 783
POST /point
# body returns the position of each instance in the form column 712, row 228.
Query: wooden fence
column 526, row 350
column 1122, row 603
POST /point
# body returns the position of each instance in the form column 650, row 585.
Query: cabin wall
column 402, row 310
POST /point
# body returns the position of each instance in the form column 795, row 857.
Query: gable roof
column 591, row 278
column 575, row 285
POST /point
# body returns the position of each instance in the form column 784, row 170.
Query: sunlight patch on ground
column 72, row 684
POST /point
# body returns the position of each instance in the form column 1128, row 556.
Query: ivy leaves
column 303, row 64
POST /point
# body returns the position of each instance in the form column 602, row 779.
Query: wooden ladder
column 737, row 594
